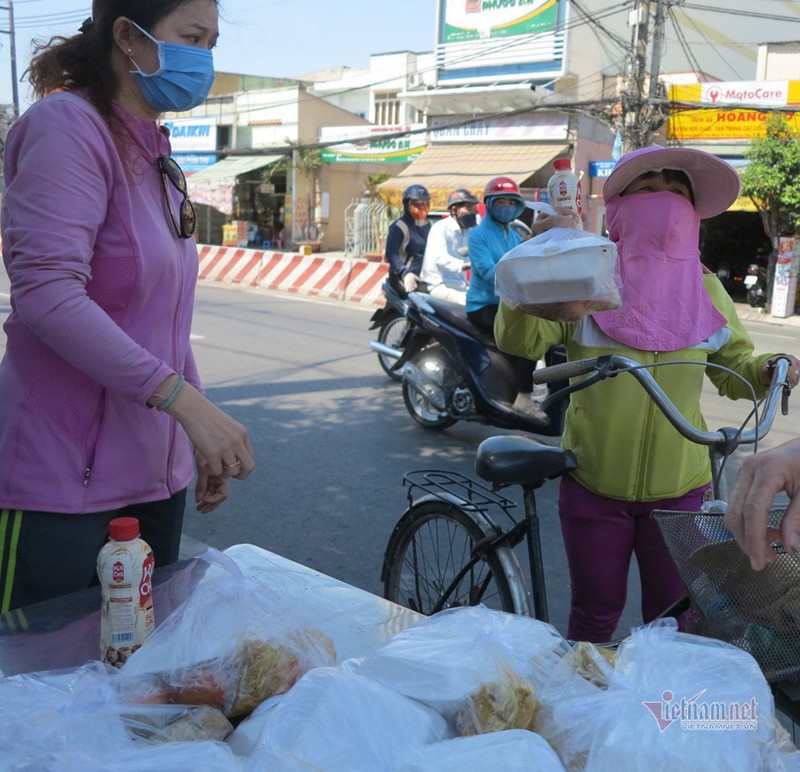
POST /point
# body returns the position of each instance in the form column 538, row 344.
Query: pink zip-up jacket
column 102, row 293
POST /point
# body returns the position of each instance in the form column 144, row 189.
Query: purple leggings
column 600, row 534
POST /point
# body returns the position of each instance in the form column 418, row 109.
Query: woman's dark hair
column 83, row 61
column 672, row 175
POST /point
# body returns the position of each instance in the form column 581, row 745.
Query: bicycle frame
column 721, row 443
column 507, row 461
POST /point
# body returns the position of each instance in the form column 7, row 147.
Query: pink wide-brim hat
column 715, row 183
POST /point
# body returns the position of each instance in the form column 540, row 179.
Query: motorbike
column 452, row 371
column 756, row 285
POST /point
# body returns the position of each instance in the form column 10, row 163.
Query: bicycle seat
column 521, row 461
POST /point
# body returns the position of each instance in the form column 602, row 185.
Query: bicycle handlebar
column 726, row 439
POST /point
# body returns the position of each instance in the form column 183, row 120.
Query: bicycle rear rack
column 454, row 487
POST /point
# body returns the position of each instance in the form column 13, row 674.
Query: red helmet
column 501, row 186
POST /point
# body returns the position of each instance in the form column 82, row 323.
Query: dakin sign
column 763, row 93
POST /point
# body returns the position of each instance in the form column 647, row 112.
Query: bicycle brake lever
column 603, row 367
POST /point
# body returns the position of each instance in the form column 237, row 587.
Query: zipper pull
column 86, row 475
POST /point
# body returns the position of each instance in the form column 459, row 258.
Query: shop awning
column 214, row 185
column 443, row 168
column 229, row 168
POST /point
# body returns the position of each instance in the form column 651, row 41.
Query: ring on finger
column 234, row 464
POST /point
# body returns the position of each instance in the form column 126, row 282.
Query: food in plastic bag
column 594, row 663
column 562, row 274
column 479, row 668
column 513, row 750
column 673, row 701
column 177, row 723
column 336, row 720
column 231, row 645
column 509, row 703
column 75, row 721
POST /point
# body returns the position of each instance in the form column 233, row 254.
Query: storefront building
column 722, row 118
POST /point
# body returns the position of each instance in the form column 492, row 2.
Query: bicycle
column 449, row 550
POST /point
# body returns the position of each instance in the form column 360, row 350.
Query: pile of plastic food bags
column 230, row 681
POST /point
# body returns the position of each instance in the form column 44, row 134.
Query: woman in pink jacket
column 101, row 408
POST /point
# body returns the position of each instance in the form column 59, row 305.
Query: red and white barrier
column 329, row 276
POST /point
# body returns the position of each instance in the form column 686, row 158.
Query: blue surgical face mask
column 182, row 80
column 504, row 213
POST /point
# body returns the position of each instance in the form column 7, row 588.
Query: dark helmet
column 461, row 196
column 416, row 193
column 501, row 186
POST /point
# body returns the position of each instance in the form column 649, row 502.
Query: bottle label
column 564, row 188
column 125, row 570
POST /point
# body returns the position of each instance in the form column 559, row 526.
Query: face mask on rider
column 467, row 220
column 504, row 213
column 183, row 78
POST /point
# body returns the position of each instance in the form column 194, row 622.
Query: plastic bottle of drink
column 564, row 187
column 125, row 569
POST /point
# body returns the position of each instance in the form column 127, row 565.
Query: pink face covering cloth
column 665, row 306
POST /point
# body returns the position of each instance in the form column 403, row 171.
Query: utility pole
column 633, row 102
column 654, row 114
column 641, row 113
column 12, row 46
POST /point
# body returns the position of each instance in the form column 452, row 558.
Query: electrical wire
column 684, row 44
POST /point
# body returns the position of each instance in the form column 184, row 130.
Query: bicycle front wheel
column 430, row 546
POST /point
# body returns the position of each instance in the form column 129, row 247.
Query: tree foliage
column 772, row 178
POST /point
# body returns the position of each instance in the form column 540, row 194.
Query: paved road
column 333, row 439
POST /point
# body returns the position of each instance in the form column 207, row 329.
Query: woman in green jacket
column 630, row 459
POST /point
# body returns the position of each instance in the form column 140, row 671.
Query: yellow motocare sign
column 716, row 117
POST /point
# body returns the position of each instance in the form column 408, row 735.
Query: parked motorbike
column 756, row 285
column 452, row 371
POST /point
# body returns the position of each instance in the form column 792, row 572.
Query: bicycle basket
column 758, row 611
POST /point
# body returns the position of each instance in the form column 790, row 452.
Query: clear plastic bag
column 338, row 721
column 513, row 750
column 231, row 645
column 562, row 275
column 75, row 721
column 672, row 700
column 479, row 668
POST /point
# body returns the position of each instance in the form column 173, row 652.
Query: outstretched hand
column 760, row 478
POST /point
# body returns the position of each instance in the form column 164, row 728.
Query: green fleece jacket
column 625, row 447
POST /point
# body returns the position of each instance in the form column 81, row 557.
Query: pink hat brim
column 715, row 183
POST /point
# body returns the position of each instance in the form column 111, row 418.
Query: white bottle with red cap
column 125, row 569
column 564, row 187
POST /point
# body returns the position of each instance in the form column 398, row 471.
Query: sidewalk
column 749, row 314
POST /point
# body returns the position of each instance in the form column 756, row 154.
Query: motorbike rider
column 488, row 242
column 406, row 239
column 445, row 266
